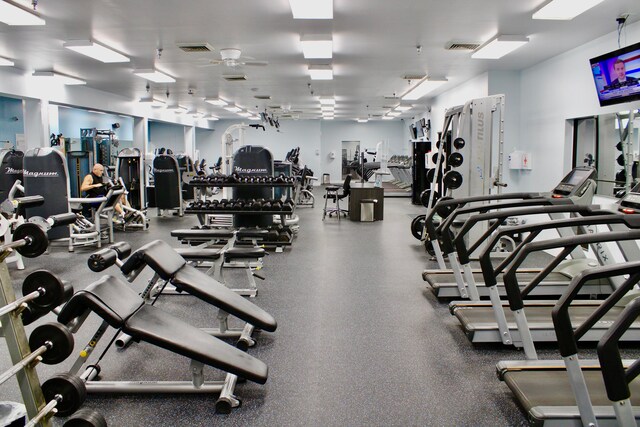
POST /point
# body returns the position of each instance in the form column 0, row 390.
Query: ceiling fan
column 231, row 57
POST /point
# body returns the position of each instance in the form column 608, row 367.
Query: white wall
column 553, row 91
column 166, row 135
column 369, row 134
column 71, row 120
column 477, row 87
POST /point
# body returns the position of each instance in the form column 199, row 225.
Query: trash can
column 326, row 179
column 367, row 207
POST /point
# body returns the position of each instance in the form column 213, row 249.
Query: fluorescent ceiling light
column 362, row 120
column 154, row 76
column 327, row 100
column 233, row 109
column 211, row 117
column 403, row 108
column 327, row 117
column 178, row 109
column 4, row 62
column 96, row 51
column 244, row 114
column 499, row 46
column 388, row 118
column 58, row 78
column 321, row 72
column 216, row 101
column 254, row 118
column 317, row 46
column 154, row 102
column 423, row 88
column 564, row 9
column 327, row 108
column 394, row 114
column 12, row 14
column 311, row 9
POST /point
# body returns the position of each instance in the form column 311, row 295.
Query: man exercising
column 93, row 184
column 621, row 74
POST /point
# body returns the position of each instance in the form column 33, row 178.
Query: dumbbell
column 65, row 394
column 620, row 159
column 50, row 344
column 266, row 206
column 42, row 291
column 112, row 255
column 279, row 180
column 239, row 205
column 458, row 143
column 276, row 205
column 30, row 239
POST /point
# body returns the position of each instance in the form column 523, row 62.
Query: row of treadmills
column 583, row 292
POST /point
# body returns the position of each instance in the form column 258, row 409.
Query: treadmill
column 484, row 321
column 576, row 188
column 575, row 392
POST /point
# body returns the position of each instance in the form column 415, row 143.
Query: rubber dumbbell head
column 452, row 180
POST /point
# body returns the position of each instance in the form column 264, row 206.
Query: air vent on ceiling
column 414, row 76
column 392, row 97
column 387, row 107
column 195, row 47
column 457, row 45
column 265, row 97
column 234, row 77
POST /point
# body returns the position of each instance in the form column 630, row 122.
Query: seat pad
column 247, row 233
column 156, row 327
column 244, row 253
column 201, row 234
column 158, row 255
column 191, row 280
column 198, row 254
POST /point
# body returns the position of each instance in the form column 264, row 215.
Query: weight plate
column 424, row 198
column 434, row 158
column 452, row 180
column 458, row 143
column 53, row 289
column 621, row 176
column 417, row 226
column 455, row 160
column 620, row 160
column 60, row 338
column 38, row 240
column 445, row 211
column 86, row 418
column 430, row 173
column 619, row 146
column 70, row 387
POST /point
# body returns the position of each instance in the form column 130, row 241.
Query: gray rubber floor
column 361, row 341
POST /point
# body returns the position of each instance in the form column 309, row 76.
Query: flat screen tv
column 413, row 133
column 419, row 129
column 617, row 75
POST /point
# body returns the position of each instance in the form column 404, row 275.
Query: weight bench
column 249, row 258
column 121, row 308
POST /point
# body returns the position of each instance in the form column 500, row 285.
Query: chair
column 333, row 192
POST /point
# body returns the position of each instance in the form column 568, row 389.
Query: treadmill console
column 574, row 183
column 630, row 204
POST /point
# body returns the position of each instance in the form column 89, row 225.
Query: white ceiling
column 374, row 46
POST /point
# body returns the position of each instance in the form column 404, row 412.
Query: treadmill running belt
column 448, row 279
column 539, row 388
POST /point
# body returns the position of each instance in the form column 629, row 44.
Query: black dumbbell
column 452, row 180
column 455, row 159
column 425, row 195
column 458, row 143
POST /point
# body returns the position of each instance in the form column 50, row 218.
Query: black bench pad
column 195, row 282
column 202, row 234
column 244, row 253
column 198, row 254
column 122, row 307
column 158, row 255
column 152, row 325
column 248, row 233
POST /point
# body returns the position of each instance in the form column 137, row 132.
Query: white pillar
column 36, row 123
column 141, row 142
column 190, row 141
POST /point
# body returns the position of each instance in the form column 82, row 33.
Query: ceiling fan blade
column 211, row 64
column 256, row 63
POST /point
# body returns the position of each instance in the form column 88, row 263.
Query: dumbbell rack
column 13, row 331
column 283, row 214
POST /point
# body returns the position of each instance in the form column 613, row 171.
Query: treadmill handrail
column 461, row 247
column 443, row 231
column 515, row 295
column 598, row 218
column 472, row 199
column 616, row 377
column 567, row 337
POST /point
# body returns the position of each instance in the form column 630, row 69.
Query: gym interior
column 319, row 213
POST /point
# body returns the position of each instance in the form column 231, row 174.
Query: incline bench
column 121, row 308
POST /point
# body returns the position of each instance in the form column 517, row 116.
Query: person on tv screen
column 621, row 75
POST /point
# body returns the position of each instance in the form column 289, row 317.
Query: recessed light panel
column 423, row 88
column 96, row 51
column 12, row 14
column 499, row 46
column 321, row 72
column 317, row 46
column 154, row 76
column 564, row 9
column 311, row 9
